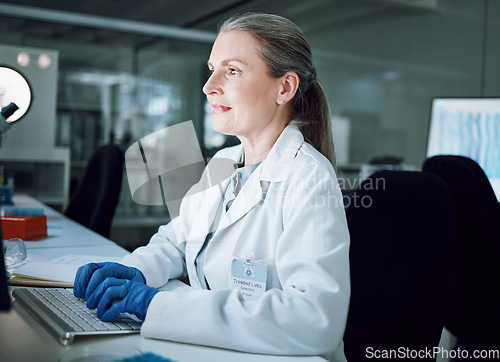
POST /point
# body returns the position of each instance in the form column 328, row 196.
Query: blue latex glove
column 114, row 296
column 88, row 277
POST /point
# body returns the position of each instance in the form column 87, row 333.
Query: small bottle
column 1, row 175
column 10, row 180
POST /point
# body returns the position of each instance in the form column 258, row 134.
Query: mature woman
column 266, row 258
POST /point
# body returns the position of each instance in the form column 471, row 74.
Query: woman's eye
column 234, row 71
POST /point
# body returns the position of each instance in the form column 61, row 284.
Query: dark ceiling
column 92, row 33
column 312, row 15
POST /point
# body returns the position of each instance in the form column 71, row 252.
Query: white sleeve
column 306, row 317
column 163, row 258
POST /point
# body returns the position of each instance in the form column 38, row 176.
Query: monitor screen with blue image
column 468, row 127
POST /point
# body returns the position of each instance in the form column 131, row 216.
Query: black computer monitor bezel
column 4, row 290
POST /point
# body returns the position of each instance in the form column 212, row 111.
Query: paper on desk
column 59, row 272
column 47, row 272
column 83, row 259
column 28, row 282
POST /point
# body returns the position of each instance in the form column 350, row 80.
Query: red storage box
column 24, row 227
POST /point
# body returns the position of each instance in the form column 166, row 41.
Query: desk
column 24, row 339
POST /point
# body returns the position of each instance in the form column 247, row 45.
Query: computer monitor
column 468, row 127
column 4, row 291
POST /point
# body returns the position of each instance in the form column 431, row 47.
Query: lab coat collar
column 279, row 159
column 281, row 156
column 273, row 168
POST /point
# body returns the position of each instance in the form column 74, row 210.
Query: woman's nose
column 212, row 85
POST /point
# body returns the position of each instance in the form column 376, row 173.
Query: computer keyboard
column 67, row 316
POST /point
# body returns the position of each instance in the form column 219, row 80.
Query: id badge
column 248, row 277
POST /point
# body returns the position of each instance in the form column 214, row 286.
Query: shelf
column 133, row 221
column 41, row 172
column 55, row 155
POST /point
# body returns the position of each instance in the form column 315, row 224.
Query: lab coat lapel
column 212, row 184
column 250, row 195
column 272, row 169
column 202, row 227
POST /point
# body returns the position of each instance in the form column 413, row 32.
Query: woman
column 266, row 258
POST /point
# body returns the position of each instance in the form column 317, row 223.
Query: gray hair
column 284, row 48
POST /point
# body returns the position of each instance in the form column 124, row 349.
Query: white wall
column 37, row 128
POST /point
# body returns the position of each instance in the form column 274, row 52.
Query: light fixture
column 44, row 61
column 15, row 96
column 23, row 59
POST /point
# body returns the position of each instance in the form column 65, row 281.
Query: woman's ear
column 289, row 86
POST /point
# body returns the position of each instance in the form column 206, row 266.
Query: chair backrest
column 94, row 201
column 402, row 263
column 475, row 312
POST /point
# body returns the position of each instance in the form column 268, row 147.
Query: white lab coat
column 290, row 215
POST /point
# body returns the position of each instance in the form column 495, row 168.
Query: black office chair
column 402, row 263
column 475, row 312
column 94, row 202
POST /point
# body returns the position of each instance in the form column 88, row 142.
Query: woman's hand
column 114, row 296
column 90, row 276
